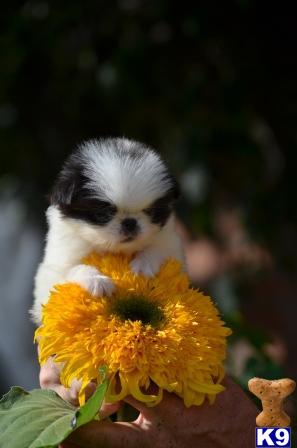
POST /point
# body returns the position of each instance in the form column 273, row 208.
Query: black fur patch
column 75, row 199
column 91, row 210
column 161, row 209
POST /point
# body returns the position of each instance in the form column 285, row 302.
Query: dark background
column 213, row 87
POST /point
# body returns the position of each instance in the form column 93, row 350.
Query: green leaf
column 41, row 419
column 89, row 411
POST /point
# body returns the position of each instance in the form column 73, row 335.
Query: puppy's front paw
column 147, row 264
column 90, row 278
column 100, row 285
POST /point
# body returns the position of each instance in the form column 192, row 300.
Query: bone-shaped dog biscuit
column 272, row 395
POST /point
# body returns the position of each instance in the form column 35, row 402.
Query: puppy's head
column 117, row 192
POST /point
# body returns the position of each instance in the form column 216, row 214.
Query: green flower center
column 138, row 308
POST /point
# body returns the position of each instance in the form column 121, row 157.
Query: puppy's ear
column 68, row 185
column 175, row 188
column 63, row 191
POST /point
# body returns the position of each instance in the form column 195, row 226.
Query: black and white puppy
column 112, row 195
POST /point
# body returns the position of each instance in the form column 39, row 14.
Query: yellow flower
column 156, row 330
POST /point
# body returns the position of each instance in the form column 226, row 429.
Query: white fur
column 130, row 183
column 90, row 278
column 65, row 249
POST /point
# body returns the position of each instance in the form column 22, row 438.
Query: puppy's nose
column 129, row 226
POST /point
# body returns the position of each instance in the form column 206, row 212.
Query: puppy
column 112, row 195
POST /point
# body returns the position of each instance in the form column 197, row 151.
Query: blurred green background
column 212, row 85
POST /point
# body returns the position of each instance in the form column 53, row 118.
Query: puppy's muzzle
column 129, row 228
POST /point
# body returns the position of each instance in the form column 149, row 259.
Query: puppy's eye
column 159, row 211
column 103, row 205
column 94, row 211
column 104, row 211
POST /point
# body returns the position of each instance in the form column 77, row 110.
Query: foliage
column 41, row 419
